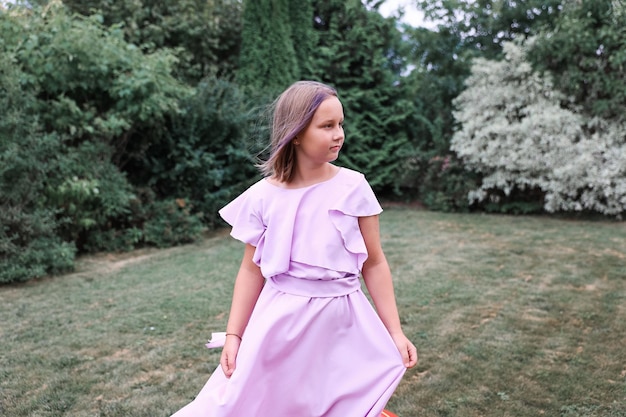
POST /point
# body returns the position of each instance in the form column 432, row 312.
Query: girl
column 302, row 340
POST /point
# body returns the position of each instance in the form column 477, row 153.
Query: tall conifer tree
column 268, row 59
column 358, row 52
column 303, row 35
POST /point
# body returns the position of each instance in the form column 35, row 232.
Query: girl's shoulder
column 352, row 174
column 350, row 178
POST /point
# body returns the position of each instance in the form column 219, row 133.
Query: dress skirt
column 312, row 348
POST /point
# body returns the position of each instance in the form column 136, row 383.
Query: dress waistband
column 307, row 287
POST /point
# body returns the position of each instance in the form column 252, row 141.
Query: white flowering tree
column 516, row 132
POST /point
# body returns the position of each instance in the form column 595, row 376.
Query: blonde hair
column 293, row 111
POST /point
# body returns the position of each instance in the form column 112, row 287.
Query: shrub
column 516, row 133
column 208, row 156
column 445, row 184
column 171, row 223
column 29, row 245
column 79, row 103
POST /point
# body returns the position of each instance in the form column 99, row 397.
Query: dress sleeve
column 358, row 200
column 244, row 215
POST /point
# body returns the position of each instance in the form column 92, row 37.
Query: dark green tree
column 205, row 34
column 268, row 59
column 29, row 243
column 303, row 35
column 359, row 52
column 93, row 102
column 207, row 156
column 586, row 53
column 484, row 24
column 440, row 66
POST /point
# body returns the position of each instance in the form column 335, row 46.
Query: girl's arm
column 377, row 277
column 248, row 286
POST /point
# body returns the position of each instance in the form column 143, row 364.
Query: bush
column 446, row 184
column 207, row 157
column 87, row 190
column 29, row 245
column 171, row 223
column 150, row 222
column 78, row 104
column 40, row 257
column 516, row 133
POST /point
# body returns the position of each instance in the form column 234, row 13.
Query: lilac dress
column 314, row 346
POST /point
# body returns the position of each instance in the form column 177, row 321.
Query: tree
column 586, row 53
column 441, row 61
column 207, row 155
column 268, row 59
column 204, row 34
column 303, row 36
column 518, row 135
column 358, row 52
column 441, row 64
column 484, row 25
column 29, row 243
column 95, row 102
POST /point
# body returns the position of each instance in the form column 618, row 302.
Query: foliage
column 149, row 222
column 29, row 242
column 517, row 134
column 268, row 54
column 207, row 155
column 484, row 25
column 87, row 190
column 359, row 54
column 441, row 61
column 446, row 184
column 172, row 224
column 304, row 37
column 205, row 35
column 79, row 103
column 586, row 53
column 441, row 65
column 111, row 93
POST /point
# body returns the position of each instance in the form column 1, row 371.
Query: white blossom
column 516, row 132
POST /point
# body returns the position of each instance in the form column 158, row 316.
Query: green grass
column 512, row 316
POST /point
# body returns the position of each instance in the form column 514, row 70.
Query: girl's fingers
column 412, row 356
column 227, row 362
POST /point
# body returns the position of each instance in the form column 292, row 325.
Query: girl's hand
column 406, row 349
column 229, row 355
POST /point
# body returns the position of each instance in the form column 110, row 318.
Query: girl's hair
column 293, row 111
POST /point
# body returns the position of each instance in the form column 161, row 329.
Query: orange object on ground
column 388, row 414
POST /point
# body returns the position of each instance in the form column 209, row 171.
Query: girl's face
column 321, row 141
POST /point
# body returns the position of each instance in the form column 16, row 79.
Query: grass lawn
column 512, row 316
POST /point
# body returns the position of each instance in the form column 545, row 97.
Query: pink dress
column 314, row 346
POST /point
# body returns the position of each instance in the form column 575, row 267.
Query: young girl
column 302, row 339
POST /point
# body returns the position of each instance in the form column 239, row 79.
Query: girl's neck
column 305, row 176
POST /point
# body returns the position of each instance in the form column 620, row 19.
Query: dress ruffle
column 302, row 225
column 358, row 201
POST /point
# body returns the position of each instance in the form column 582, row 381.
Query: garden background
column 125, row 125
column 128, row 124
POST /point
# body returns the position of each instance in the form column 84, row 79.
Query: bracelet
column 234, row 334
